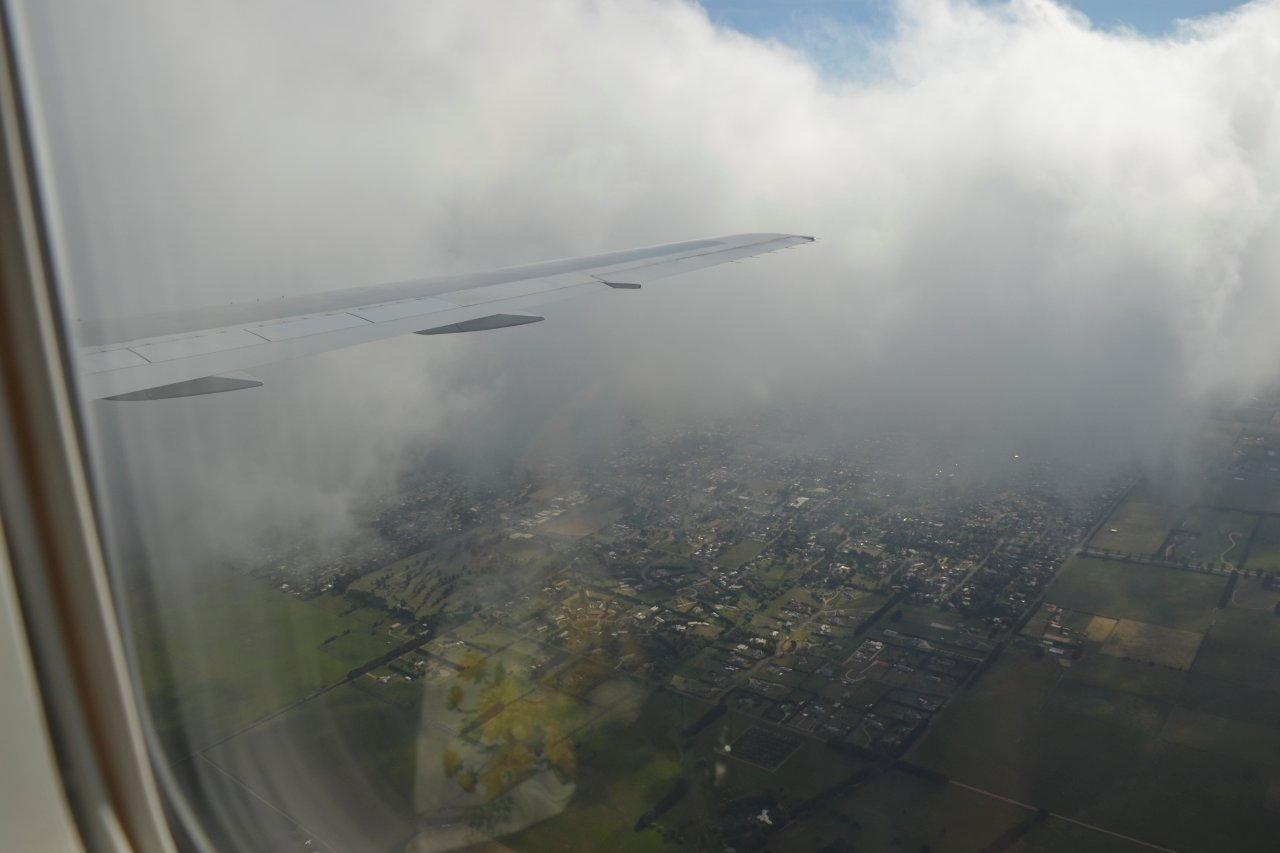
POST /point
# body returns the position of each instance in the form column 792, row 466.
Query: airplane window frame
column 116, row 800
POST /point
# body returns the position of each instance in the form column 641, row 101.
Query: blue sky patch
column 781, row 18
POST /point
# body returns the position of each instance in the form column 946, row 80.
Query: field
column 256, row 825
column 1100, row 628
column 373, row 753
column 1152, row 644
column 772, row 575
column 763, row 748
column 1040, row 732
column 897, row 811
column 457, row 575
column 1255, row 594
column 360, row 646
column 1264, row 554
column 1136, row 527
column 1243, row 648
column 1009, row 736
column 623, row 770
column 1110, row 742
column 208, row 681
column 1237, row 672
column 1214, row 537
column 740, row 553
column 1249, row 492
column 1231, row 738
column 808, row 771
column 1133, row 711
column 357, row 755
column 1168, row 597
column 583, row 521
column 418, row 583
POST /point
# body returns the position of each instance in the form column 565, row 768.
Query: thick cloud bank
column 1028, row 226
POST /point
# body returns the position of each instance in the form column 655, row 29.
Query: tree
column 472, row 667
column 452, row 763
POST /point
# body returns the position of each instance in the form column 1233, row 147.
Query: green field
column 1136, row 527
column 1247, row 492
column 360, row 646
column 1251, row 594
column 1214, row 695
column 623, row 770
column 374, row 769
column 1242, row 648
column 1170, row 597
column 772, row 575
column 357, row 762
column 1145, row 714
column 1009, row 736
column 740, row 553
column 897, row 811
column 1231, row 738
column 1215, row 537
column 1264, row 554
column 253, row 824
column 237, row 650
column 488, row 636
column 1155, row 682
column 459, row 574
column 1108, row 742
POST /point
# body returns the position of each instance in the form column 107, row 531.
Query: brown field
column 1100, row 628
column 1153, row 644
column 576, row 526
column 582, row 522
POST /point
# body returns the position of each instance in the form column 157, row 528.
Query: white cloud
column 1027, row 224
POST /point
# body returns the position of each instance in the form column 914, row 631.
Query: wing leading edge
column 199, row 352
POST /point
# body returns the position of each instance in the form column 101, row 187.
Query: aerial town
column 893, row 640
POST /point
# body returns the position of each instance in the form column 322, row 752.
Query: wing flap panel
column 403, row 308
column 187, row 346
column 96, row 361
column 316, row 324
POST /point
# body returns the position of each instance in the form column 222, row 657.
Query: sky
column 1031, row 229
column 781, row 18
column 842, row 37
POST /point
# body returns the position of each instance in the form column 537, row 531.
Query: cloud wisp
column 1028, row 226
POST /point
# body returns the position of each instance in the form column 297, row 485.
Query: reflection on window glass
column 956, row 530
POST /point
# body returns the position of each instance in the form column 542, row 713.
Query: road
column 1089, row 826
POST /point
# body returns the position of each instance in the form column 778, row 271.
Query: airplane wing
column 186, row 353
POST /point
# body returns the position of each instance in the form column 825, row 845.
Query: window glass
column 955, row 530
